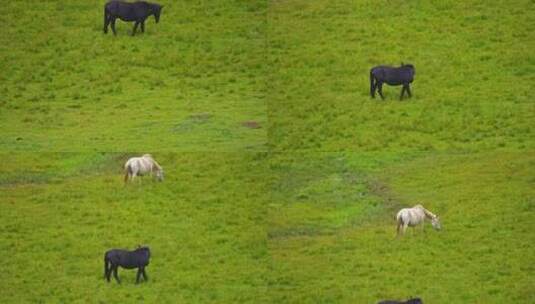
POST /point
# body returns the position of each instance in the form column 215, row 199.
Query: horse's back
column 127, row 259
column 126, row 11
column 136, row 258
column 130, row 162
column 113, row 255
column 401, row 213
column 378, row 71
column 112, row 5
column 393, row 75
column 410, row 216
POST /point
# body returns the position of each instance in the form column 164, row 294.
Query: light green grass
column 473, row 64
column 203, row 224
column 481, row 256
column 187, row 84
column 299, row 210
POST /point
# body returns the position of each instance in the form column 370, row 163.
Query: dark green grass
column 473, row 64
column 66, row 86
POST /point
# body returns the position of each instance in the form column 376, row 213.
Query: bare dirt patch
column 251, row 124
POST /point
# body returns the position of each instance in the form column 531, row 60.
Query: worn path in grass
column 332, row 240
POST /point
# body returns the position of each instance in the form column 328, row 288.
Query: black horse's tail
column 372, row 84
column 105, row 19
column 106, row 266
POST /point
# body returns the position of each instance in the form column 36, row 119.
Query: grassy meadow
column 282, row 175
column 332, row 234
column 473, row 62
column 190, row 83
column 60, row 211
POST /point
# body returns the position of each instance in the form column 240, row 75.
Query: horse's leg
column 112, row 21
column 115, row 273
column 145, row 275
column 135, row 28
column 405, row 228
column 143, row 26
column 380, row 90
column 408, row 88
column 138, row 275
column 423, row 227
column 402, row 92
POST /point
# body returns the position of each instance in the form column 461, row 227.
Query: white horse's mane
column 428, row 213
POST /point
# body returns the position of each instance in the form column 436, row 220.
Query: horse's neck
column 429, row 214
column 155, row 165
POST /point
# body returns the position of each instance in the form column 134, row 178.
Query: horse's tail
column 127, row 172
column 372, row 85
column 105, row 15
column 106, row 266
column 399, row 220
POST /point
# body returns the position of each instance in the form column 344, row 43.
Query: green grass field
column 188, row 84
column 282, row 175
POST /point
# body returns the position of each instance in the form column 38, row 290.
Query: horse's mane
column 143, row 250
column 153, row 161
column 427, row 212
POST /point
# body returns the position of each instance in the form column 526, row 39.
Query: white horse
column 415, row 216
column 141, row 166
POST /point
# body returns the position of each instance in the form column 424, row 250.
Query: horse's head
column 159, row 174
column 436, row 223
column 156, row 9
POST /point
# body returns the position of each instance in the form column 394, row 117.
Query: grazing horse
column 136, row 11
column 409, row 301
column 141, row 166
column 415, row 216
column 404, row 75
column 139, row 258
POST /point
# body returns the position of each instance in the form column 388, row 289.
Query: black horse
column 409, row 301
column 404, row 75
column 136, row 11
column 138, row 258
